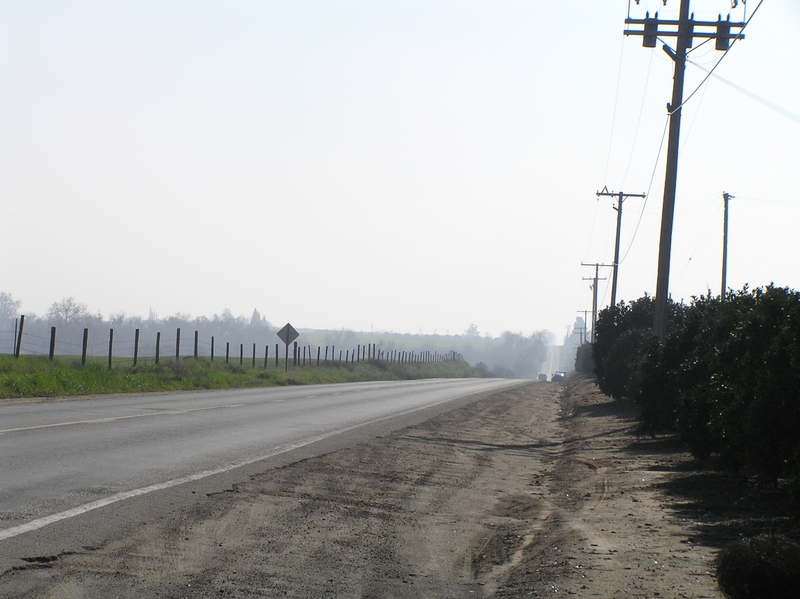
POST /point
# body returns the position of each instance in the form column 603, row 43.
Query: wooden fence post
column 110, row 346
column 19, row 336
column 136, row 347
column 85, row 346
column 178, row 345
column 227, row 351
column 241, row 354
column 212, row 348
column 318, row 348
column 52, row 342
column 158, row 345
column 254, row 355
column 195, row 344
column 266, row 355
column 277, row 353
column 295, row 355
column 326, row 353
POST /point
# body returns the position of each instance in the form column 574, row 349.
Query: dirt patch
column 540, row 490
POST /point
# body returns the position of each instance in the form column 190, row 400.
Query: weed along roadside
column 40, row 377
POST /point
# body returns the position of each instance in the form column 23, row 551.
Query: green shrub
column 583, row 359
column 727, row 376
column 762, row 567
column 623, row 337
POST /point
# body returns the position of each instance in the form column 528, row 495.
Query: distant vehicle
column 542, row 377
column 558, row 377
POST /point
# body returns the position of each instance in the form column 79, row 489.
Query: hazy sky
column 390, row 165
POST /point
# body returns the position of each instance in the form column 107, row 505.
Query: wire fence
column 94, row 343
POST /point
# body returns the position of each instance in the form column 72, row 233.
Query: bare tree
column 9, row 307
column 67, row 311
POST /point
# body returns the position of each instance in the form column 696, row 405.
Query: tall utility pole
column 583, row 329
column 620, row 198
column 684, row 29
column 594, row 280
column 725, row 197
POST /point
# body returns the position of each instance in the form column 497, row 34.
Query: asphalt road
column 64, row 460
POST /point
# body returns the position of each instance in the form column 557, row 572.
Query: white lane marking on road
column 88, row 507
column 113, row 418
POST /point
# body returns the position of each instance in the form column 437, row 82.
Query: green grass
column 40, row 377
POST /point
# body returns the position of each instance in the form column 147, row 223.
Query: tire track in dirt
column 610, row 532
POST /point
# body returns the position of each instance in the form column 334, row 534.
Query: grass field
column 40, row 377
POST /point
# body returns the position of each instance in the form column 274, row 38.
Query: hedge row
column 726, row 378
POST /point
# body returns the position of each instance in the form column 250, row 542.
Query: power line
column 614, row 115
column 780, row 110
column 649, row 187
column 727, row 48
column 638, row 120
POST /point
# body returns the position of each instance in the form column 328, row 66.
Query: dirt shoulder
column 539, row 490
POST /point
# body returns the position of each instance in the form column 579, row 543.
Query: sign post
column 288, row 334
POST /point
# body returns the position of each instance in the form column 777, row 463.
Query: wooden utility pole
column 684, row 29
column 594, row 280
column 583, row 329
column 725, row 197
column 620, row 198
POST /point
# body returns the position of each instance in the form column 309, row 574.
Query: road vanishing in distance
column 64, row 460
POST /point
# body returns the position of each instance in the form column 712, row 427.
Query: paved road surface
column 68, row 458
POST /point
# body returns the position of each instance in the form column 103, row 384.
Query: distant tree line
column 726, row 378
column 511, row 355
column 71, row 317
